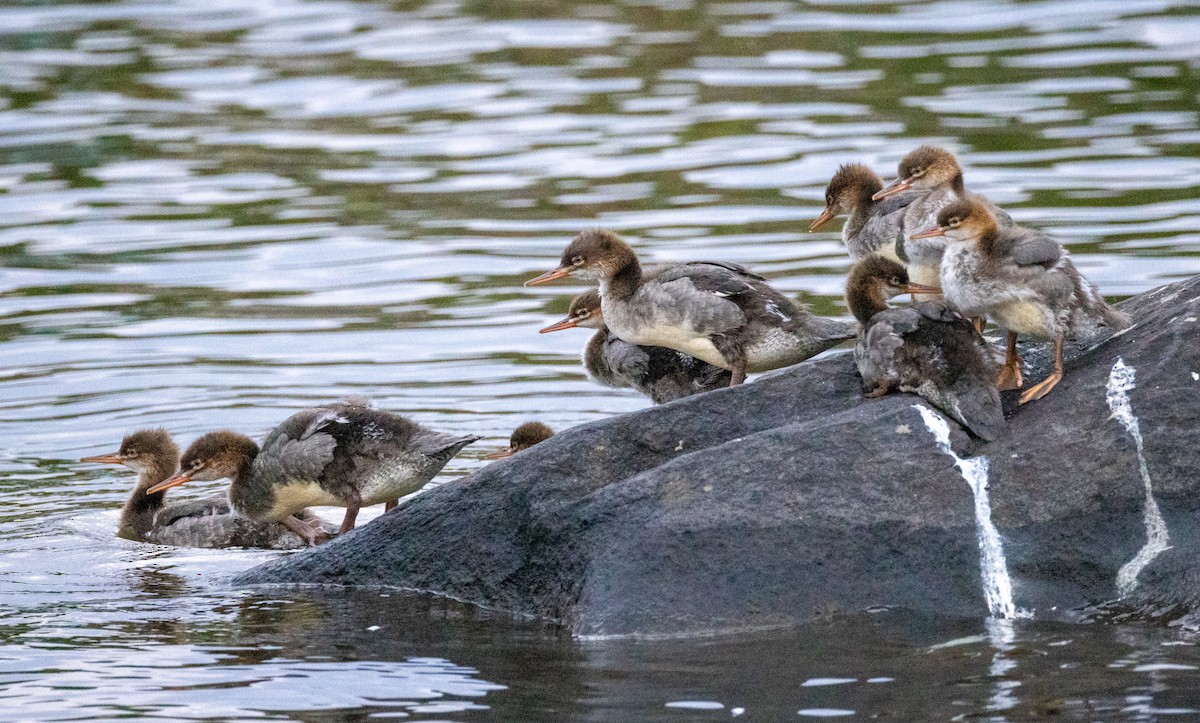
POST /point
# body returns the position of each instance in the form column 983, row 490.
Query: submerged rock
column 769, row 503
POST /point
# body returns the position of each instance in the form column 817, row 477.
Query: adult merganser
column 728, row 318
column 207, row 522
column 662, row 374
column 1022, row 279
column 523, row 437
column 874, row 227
column 935, row 175
column 344, row 454
column 926, row 349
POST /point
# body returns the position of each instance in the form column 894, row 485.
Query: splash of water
column 1121, row 381
column 997, row 586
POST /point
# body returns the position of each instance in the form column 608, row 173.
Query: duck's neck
column 865, row 300
column 137, row 516
column 861, row 212
column 989, row 242
column 250, row 494
column 625, row 280
column 956, row 184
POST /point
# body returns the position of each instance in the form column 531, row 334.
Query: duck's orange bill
column 559, row 326
column 169, row 482
column 930, row 232
column 896, row 186
column 500, row 453
column 114, row 458
column 825, row 217
column 561, row 272
column 921, row 289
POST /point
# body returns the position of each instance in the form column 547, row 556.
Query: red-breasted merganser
column 343, row 454
column 662, row 374
column 207, row 522
column 1021, row 278
column 873, row 227
column 935, row 175
column 926, row 349
column 523, row 437
column 728, row 318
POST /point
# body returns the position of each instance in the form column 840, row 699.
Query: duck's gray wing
column 875, row 352
column 708, row 297
column 302, row 447
column 1028, row 247
column 216, row 505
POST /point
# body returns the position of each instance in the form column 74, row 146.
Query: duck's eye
column 918, row 173
column 577, row 261
column 829, row 200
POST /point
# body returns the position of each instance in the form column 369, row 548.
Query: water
column 215, row 213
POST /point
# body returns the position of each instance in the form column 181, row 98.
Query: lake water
column 215, row 213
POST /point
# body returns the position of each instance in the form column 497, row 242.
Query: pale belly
column 677, row 338
column 1026, row 317
column 292, row 498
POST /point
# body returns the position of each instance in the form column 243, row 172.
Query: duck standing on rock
column 926, row 349
column 662, row 374
column 873, row 226
column 343, row 454
column 933, row 173
column 729, row 318
column 523, row 437
column 201, row 523
column 1022, row 279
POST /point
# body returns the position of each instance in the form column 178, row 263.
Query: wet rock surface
column 793, row 496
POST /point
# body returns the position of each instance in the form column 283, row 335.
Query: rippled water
column 214, row 213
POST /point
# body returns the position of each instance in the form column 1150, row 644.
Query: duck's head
column 142, row 451
column 592, row 255
column 961, row 221
column 584, row 312
column 923, row 169
column 852, row 186
column 523, row 437
column 215, row 455
column 874, row 280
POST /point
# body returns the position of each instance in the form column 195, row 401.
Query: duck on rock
column 522, row 438
column 873, row 227
column 719, row 314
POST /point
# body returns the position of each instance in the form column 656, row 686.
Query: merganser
column 934, row 174
column 926, row 349
column 662, row 374
column 726, row 317
column 207, row 522
column 873, row 227
column 344, row 454
column 523, row 437
column 1021, row 278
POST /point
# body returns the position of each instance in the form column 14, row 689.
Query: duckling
column 662, row 374
column 523, row 437
column 344, row 454
column 200, row 523
column 926, row 349
column 713, row 312
column 1024, row 280
column 873, row 226
column 933, row 173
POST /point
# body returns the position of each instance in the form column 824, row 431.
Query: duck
column 731, row 319
column 662, row 374
column 935, row 176
column 344, row 454
column 523, row 437
column 873, row 227
column 209, row 522
column 1024, row 280
column 927, row 349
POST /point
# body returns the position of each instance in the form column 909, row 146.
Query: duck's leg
column 739, row 375
column 348, row 520
column 390, row 505
column 1042, row 388
column 303, row 531
column 881, row 389
column 979, row 322
column 1010, row 374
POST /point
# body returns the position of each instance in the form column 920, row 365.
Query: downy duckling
column 523, row 437
column 874, row 227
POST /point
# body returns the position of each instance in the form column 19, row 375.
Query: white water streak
column 1121, row 381
column 997, row 586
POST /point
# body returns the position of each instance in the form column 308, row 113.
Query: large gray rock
column 792, row 495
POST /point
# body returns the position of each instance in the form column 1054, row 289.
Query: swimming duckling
column 728, row 318
column 344, row 454
column 208, row 522
column 523, row 437
column 925, row 349
column 1022, row 279
column 662, row 374
column 873, row 226
column 934, row 175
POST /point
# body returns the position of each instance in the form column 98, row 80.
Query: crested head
column 871, row 282
column 929, row 167
column 217, row 455
column 966, row 220
column 585, row 310
column 597, row 253
column 529, row 434
column 149, row 449
column 852, row 186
